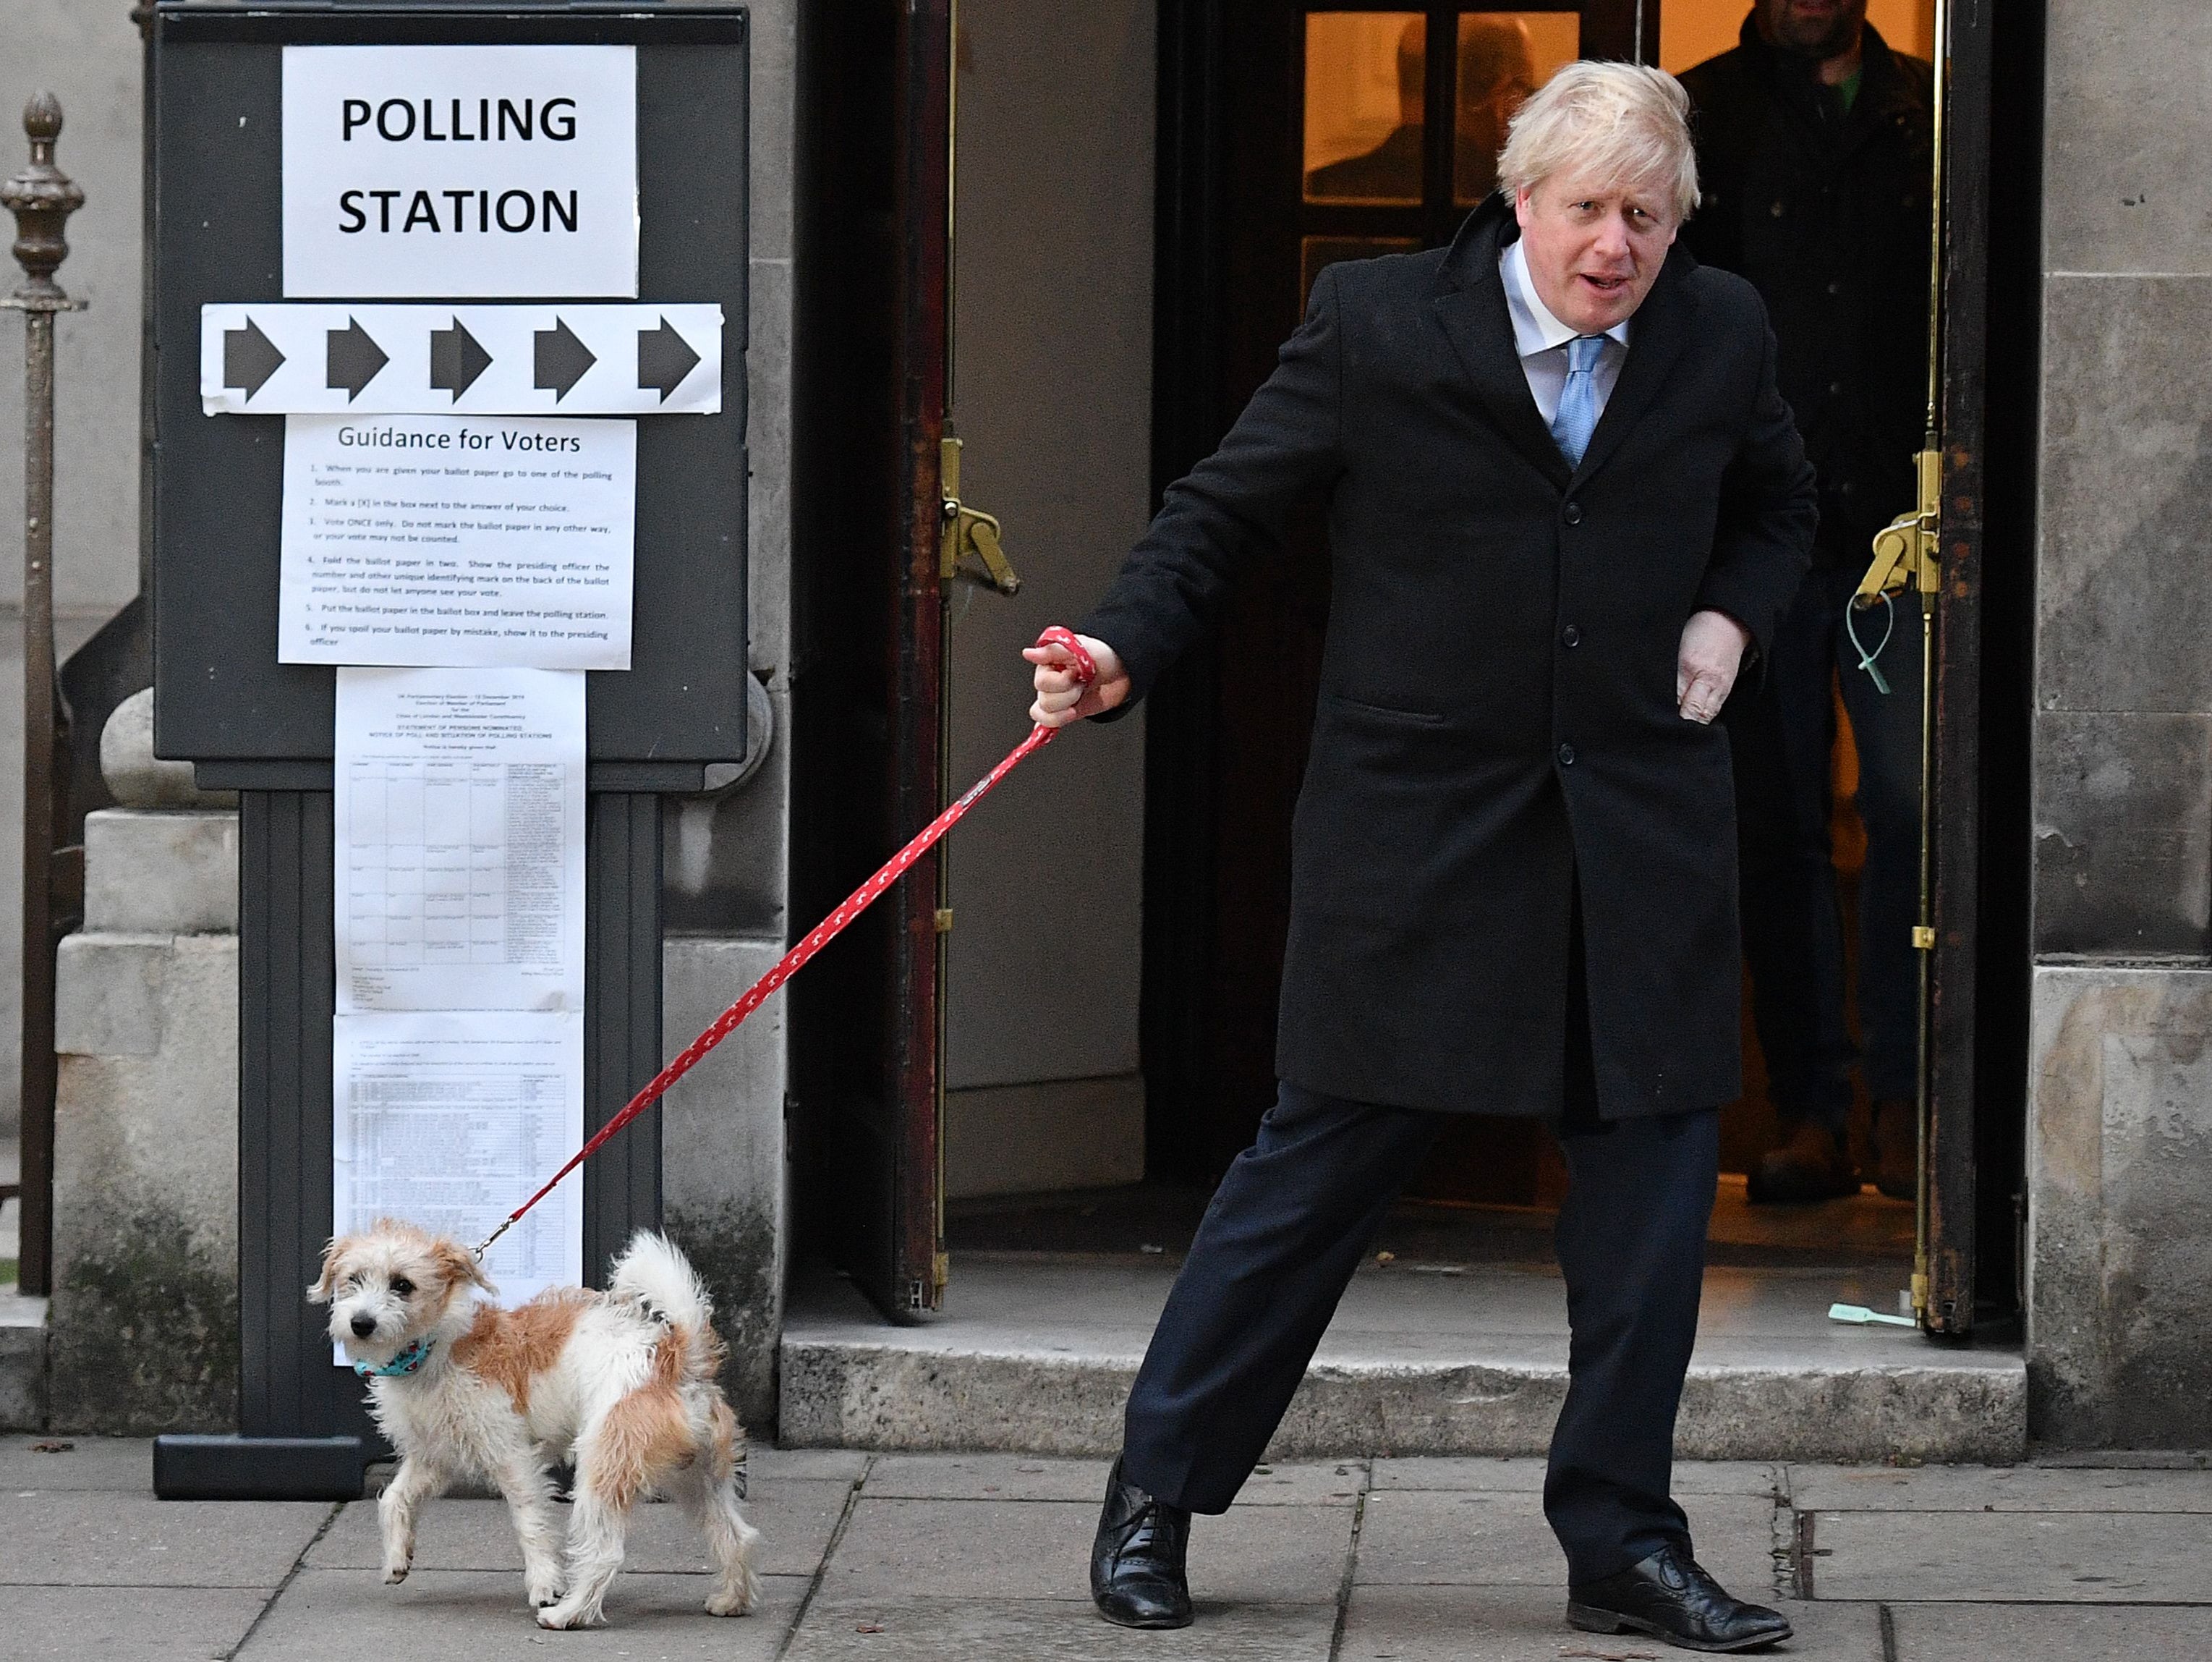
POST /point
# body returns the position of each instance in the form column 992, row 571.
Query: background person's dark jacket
column 1497, row 710
column 1827, row 213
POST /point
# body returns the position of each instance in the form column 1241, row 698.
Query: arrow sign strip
column 487, row 360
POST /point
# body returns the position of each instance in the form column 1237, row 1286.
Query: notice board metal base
column 200, row 1468
column 296, row 1405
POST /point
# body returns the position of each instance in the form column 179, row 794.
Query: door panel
column 865, row 686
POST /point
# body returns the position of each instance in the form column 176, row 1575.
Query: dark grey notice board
column 222, row 698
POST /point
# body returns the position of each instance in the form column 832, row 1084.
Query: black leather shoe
column 1136, row 1577
column 1670, row 1596
column 1811, row 1165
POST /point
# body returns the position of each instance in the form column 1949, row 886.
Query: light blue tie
column 1577, row 418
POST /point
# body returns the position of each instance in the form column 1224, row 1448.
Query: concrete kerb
column 1968, row 1409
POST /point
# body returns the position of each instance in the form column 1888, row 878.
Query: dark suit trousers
column 1294, row 1216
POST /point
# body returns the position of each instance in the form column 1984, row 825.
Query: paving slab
column 795, row 1520
column 984, row 1478
column 1526, row 1474
column 922, row 1629
column 1037, row 1478
column 102, row 1538
column 1499, row 1538
column 350, row 1615
column 765, row 1464
column 109, row 1463
column 126, row 1624
column 1042, row 1549
column 1996, row 1488
column 1998, row 1557
column 1975, row 1633
column 1524, row 1625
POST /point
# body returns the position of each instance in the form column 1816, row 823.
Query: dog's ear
column 459, row 1265
column 326, row 1285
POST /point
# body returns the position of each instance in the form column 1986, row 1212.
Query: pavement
column 980, row 1558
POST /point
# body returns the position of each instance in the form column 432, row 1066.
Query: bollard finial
column 42, row 197
column 42, row 119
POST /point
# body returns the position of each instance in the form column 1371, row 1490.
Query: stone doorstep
column 1947, row 1407
column 22, row 1361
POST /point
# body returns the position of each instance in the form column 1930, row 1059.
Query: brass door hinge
column 969, row 545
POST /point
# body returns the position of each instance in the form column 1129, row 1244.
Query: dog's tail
column 651, row 1271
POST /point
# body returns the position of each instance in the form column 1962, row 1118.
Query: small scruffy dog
column 622, row 1382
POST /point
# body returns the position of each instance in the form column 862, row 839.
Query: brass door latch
column 969, row 545
column 1906, row 554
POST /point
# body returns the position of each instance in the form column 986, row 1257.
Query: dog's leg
column 598, row 1522
column 528, row 1487
column 711, row 1499
column 416, row 1482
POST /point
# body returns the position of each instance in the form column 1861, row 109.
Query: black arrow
column 664, row 358
column 249, row 358
column 353, row 359
column 457, row 358
column 562, row 360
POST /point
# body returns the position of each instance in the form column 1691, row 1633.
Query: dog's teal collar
column 408, row 1360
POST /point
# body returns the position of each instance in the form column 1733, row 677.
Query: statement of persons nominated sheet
column 440, row 1116
column 457, row 541
column 459, row 1039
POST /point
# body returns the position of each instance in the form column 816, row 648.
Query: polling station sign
column 461, row 171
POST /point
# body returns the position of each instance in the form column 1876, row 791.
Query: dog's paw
column 542, row 1591
column 393, row 1575
column 563, row 1616
column 734, row 1601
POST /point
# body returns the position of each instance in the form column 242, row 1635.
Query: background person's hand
column 1713, row 645
column 1060, row 698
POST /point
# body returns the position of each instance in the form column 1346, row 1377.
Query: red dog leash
column 820, row 936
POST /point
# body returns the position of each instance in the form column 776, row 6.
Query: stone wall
column 145, row 1317
column 2120, row 1126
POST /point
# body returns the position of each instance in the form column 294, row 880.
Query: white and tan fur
column 622, row 1382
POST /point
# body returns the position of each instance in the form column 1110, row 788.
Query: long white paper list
column 457, row 541
column 450, row 1122
column 460, row 803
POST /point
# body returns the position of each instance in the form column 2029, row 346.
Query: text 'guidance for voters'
column 458, row 542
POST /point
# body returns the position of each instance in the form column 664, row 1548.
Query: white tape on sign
column 628, row 360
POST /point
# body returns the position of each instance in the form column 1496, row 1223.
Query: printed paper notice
column 458, row 542
column 450, row 1122
column 460, row 856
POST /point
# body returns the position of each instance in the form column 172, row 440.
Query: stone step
column 22, row 1361
column 1036, row 1355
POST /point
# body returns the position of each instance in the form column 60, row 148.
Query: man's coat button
column 1566, row 756
column 1570, row 636
column 1573, row 514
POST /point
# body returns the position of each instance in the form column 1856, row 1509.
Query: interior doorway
column 1349, row 130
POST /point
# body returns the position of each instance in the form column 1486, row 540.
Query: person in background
column 1813, row 147
column 1497, row 72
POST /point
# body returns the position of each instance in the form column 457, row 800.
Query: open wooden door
column 867, row 692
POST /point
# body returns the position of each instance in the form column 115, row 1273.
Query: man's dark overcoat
column 1498, row 720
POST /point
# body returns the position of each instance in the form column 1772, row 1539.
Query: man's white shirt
column 1541, row 339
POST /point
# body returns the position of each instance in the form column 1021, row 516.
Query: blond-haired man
column 1565, row 500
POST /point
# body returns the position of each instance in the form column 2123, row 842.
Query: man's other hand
column 1713, row 645
column 1060, row 698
